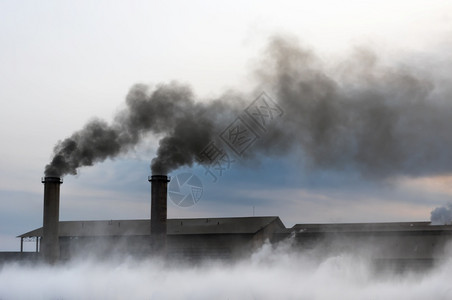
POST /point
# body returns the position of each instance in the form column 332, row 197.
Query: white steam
column 270, row 273
column 442, row 215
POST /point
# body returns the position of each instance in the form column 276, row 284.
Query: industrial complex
column 402, row 244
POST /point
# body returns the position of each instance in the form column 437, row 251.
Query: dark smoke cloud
column 358, row 114
column 169, row 111
column 380, row 121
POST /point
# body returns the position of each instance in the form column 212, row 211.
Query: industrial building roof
column 236, row 225
column 244, row 225
column 370, row 227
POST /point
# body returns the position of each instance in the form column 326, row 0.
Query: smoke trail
column 169, row 110
column 377, row 120
column 380, row 121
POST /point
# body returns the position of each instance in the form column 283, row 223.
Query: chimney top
column 159, row 178
column 52, row 179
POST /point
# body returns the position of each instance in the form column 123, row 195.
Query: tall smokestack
column 50, row 247
column 159, row 187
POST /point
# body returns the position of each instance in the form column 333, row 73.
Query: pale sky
column 65, row 62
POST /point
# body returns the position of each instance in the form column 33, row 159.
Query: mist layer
column 270, row 273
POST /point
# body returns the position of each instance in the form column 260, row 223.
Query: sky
column 64, row 63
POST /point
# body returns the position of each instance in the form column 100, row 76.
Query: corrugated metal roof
column 370, row 227
column 245, row 225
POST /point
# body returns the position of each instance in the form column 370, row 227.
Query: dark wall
column 190, row 247
column 378, row 245
column 28, row 257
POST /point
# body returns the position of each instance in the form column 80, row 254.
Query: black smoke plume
column 169, row 111
column 380, row 121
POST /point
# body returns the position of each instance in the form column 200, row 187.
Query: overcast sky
column 63, row 63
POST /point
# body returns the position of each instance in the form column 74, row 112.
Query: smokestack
column 159, row 187
column 50, row 247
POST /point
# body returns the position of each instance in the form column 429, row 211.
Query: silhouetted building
column 193, row 239
column 416, row 243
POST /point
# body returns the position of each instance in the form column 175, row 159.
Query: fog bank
column 270, row 273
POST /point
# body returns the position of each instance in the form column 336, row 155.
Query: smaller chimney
column 159, row 188
column 50, row 247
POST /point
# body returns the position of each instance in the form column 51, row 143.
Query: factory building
column 193, row 239
column 414, row 243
